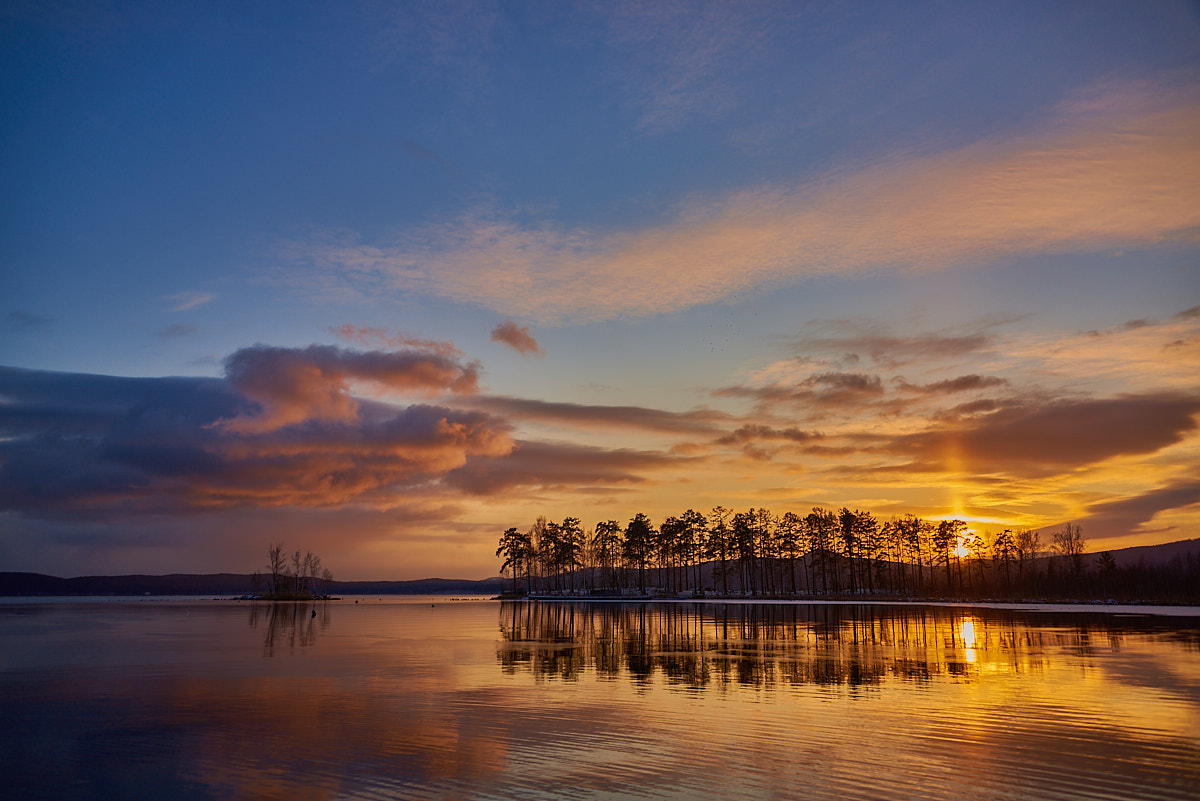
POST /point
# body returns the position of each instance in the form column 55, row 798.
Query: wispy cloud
column 176, row 330
column 593, row 416
column 821, row 390
column 1141, row 355
column 23, row 322
column 518, row 338
column 950, row 386
column 374, row 336
column 1095, row 182
column 186, row 301
column 678, row 58
column 888, row 351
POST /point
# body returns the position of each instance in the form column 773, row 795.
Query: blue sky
column 705, row 213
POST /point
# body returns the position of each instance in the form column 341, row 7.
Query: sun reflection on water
column 967, row 633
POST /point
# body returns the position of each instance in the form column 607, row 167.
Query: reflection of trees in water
column 698, row 646
column 294, row 625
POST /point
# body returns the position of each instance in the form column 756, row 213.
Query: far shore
column 1095, row 607
column 1027, row 606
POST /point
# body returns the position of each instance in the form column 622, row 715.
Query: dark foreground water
column 454, row 700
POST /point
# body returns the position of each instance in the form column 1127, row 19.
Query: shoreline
column 1122, row 609
column 1162, row 610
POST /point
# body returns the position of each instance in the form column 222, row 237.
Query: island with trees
column 824, row 553
column 298, row 578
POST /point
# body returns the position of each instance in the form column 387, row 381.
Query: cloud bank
column 283, row 430
column 101, row 446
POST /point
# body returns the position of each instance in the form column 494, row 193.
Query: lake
column 442, row 699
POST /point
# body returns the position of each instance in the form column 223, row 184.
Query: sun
column 962, row 551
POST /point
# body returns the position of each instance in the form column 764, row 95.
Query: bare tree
column 300, row 580
column 1070, row 544
column 277, row 565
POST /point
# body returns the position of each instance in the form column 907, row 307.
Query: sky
column 380, row 280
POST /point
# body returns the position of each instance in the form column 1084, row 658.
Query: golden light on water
column 967, row 632
column 407, row 697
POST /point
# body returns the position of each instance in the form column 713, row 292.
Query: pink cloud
column 594, row 416
column 517, row 338
column 293, row 385
column 186, row 301
column 373, row 336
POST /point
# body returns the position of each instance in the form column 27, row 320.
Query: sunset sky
column 381, row 280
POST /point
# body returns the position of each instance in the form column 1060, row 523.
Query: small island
column 828, row 554
column 300, row 578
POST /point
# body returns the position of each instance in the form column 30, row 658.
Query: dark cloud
column 752, row 432
column 103, row 446
column 968, row 409
column 890, row 352
column 964, row 383
column 541, row 465
column 822, row 390
column 516, row 337
column 291, row 385
column 1054, row 436
column 1127, row 515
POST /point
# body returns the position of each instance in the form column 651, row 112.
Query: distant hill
column 1156, row 554
column 223, row 584
column 231, row 584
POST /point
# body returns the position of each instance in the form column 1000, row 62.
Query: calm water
column 449, row 700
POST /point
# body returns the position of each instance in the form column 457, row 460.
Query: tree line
column 825, row 552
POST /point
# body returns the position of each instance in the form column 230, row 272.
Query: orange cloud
column 291, row 385
column 1097, row 180
column 517, row 338
column 594, row 416
column 373, row 336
